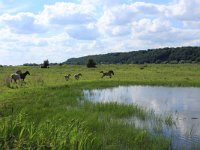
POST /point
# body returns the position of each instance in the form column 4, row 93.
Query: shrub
column 45, row 64
column 91, row 63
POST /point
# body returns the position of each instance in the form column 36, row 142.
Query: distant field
column 46, row 113
column 166, row 74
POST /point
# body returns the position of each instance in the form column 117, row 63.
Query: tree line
column 161, row 55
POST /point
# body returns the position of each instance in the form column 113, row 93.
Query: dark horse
column 23, row 75
column 109, row 73
column 77, row 76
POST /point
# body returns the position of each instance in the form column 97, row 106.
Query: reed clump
column 17, row 133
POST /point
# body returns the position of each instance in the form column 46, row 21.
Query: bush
column 91, row 63
column 45, row 64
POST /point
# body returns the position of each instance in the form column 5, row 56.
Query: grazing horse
column 109, row 73
column 67, row 77
column 77, row 76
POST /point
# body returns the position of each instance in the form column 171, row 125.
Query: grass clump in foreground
column 55, row 119
column 17, row 133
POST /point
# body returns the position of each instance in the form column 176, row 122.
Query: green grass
column 46, row 112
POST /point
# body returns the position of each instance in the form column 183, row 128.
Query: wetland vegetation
column 47, row 112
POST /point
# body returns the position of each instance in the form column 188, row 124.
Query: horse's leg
column 22, row 81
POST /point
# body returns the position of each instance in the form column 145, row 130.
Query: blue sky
column 32, row 31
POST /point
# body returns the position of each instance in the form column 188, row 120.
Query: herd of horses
column 18, row 75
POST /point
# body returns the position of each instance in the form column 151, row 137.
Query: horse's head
column 111, row 72
column 80, row 74
column 101, row 71
column 27, row 72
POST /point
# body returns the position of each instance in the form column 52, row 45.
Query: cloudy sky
column 34, row 30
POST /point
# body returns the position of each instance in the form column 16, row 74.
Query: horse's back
column 14, row 75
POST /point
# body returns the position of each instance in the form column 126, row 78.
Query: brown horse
column 77, row 76
column 109, row 73
column 67, row 77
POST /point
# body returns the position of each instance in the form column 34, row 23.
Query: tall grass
column 17, row 133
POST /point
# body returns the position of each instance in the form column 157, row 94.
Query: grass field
column 45, row 113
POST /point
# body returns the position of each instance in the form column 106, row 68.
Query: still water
column 183, row 103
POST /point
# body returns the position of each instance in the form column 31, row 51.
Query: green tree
column 91, row 63
column 45, row 64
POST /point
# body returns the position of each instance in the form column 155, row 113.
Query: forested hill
column 162, row 55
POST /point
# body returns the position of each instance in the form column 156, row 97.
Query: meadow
column 47, row 112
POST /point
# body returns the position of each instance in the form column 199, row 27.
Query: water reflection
column 183, row 103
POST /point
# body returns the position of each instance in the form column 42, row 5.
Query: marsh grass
column 17, row 133
column 170, row 121
column 6, row 109
column 116, row 110
column 7, row 82
column 51, row 105
column 58, row 106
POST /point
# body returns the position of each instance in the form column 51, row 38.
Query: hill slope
column 162, row 55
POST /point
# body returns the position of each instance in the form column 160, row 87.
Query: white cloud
column 185, row 10
column 153, row 26
column 83, row 32
column 148, row 9
column 117, row 20
column 120, row 15
column 191, row 24
column 67, row 14
column 106, row 3
column 161, row 32
column 22, row 23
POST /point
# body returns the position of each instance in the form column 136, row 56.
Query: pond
column 183, row 103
